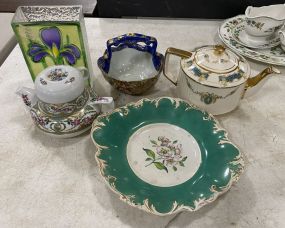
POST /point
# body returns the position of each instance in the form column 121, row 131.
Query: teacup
column 263, row 22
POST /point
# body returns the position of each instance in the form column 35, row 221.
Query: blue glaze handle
column 132, row 40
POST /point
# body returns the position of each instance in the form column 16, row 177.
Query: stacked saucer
column 257, row 34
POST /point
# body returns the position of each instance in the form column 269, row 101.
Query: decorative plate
column 273, row 55
column 240, row 35
column 165, row 155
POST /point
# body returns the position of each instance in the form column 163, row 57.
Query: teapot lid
column 59, row 84
column 216, row 66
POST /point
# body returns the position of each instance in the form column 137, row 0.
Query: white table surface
column 7, row 38
column 47, row 182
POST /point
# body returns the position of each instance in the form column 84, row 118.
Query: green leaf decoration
column 67, row 39
column 174, row 168
column 175, row 141
column 160, row 166
column 184, row 159
column 153, row 142
column 181, row 163
column 148, row 159
column 149, row 153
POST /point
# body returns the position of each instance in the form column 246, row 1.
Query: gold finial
column 219, row 49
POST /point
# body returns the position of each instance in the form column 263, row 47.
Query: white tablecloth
column 47, row 182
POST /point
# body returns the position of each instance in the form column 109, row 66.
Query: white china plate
column 275, row 55
column 240, row 35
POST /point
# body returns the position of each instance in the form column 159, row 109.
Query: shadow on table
column 69, row 150
column 54, row 142
column 225, row 212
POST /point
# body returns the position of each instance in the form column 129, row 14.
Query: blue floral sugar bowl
column 130, row 63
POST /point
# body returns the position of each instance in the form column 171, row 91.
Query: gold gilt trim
column 98, row 124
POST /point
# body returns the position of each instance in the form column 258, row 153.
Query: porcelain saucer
column 67, row 126
column 275, row 55
column 241, row 36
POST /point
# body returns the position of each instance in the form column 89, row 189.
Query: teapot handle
column 177, row 52
column 131, row 40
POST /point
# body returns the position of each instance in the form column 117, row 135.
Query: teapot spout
column 251, row 82
column 28, row 96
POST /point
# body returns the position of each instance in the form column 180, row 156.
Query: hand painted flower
column 164, row 141
column 169, row 154
column 75, row 122
column 178, row 149
column 161, row 151
column 52, row 48
column 41, row 120
column 26, row 100
column 88, row 120
column 171, row 146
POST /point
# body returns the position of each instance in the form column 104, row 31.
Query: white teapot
column 61, row 104
column 213, row 77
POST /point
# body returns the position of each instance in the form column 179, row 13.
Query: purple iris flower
column 52, row 47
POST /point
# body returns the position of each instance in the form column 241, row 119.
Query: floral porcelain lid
column 216, row 66
column 59, row 84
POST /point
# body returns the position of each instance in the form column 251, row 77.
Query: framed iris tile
column 51, row 35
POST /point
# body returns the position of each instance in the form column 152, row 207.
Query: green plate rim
column 147, row 206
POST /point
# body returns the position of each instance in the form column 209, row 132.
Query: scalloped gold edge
column 147, row 206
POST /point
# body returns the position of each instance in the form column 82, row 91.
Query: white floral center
column 163, row 154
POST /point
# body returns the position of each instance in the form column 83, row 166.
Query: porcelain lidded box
column 61, row 104
column 60, row 84
column 213, row 77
